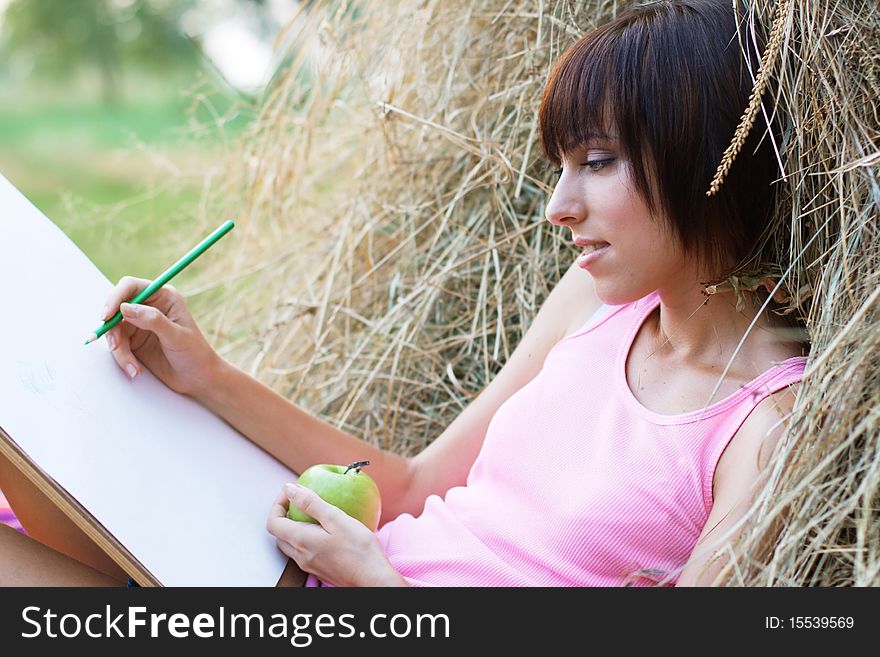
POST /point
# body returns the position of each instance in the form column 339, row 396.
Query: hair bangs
column 598, row 90
column 576, row 106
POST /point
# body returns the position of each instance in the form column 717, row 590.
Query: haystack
column 392, row 249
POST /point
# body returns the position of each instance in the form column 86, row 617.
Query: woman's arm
column 297, row 438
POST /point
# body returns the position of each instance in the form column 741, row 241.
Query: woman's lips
column 589, row 256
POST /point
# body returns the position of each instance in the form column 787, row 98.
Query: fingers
column 278, row 522
column 288, row 550
column 279, row 507
column 143, row 317
column 127, row 288
column 152, row 319
column 280, row 525
column 285, row 530
column 311, row 503
column 120, row 348
column 164, row 314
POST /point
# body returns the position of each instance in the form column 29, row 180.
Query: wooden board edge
column 77, row 513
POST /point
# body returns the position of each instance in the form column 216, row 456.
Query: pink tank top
column 577, row 483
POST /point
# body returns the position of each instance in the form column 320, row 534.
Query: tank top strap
column 599, row 316
column 727, row 423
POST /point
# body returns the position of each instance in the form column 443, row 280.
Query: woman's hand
column 339, row 550
column 161, row 335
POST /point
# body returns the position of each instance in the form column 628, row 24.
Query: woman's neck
column 688, row 327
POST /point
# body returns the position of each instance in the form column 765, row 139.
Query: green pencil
column 170, row 273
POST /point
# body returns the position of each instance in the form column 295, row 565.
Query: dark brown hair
column 670, row 78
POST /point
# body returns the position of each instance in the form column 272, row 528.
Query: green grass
column 88, row 167
column 108, row 126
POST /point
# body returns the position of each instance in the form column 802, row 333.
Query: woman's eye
column 597, row 165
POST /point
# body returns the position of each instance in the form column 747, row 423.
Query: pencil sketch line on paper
column 37, row 378
column 80, row 404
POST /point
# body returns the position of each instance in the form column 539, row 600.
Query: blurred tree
column 62, row 36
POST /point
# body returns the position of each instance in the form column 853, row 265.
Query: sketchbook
column 171, row 492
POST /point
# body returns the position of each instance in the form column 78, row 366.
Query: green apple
column 345, row 487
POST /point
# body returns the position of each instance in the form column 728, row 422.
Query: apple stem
column 357, row 465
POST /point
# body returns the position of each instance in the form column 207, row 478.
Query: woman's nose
column 566, row 206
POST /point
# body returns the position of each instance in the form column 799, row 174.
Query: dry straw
column 391, row 249
column 768, row 59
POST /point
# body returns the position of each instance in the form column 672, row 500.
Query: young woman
column 596, row 456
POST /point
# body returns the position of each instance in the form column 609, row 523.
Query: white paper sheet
column 185, row 492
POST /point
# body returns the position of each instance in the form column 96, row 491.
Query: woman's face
column 596, row 198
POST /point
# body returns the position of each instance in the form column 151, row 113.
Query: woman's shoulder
column 581, row 302
column 780, row 343
column 592, row 309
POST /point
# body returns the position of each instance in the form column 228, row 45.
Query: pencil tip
column 91, row 338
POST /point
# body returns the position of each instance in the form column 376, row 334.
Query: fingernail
column 290, row 489
column 132, row 370
column 130, row 309
column 111, row 340
column 106, row 312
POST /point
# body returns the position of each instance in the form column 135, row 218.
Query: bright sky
column 241, row 56
column 231, row 37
